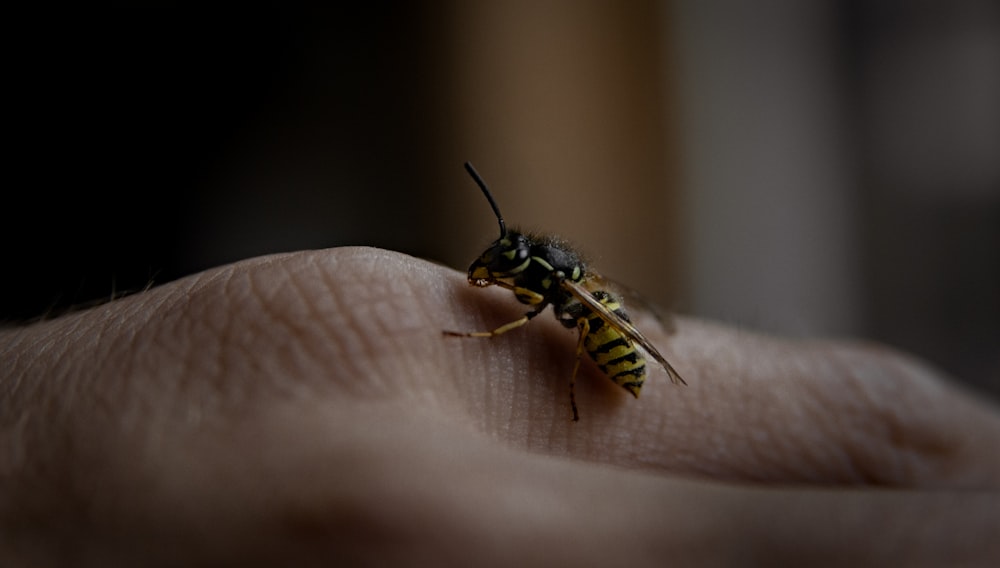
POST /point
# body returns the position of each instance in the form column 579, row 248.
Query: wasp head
column 506, row 257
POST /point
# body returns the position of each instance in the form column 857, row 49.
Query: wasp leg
column 584, row 326
column 524, row 295
column 498, row 331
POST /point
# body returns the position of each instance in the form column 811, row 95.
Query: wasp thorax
column 506, row 257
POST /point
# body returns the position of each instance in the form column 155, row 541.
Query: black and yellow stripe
column 614, row 354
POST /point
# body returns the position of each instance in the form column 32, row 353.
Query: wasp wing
column 631, row 332
column 636, row 301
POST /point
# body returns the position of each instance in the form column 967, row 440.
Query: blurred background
column 814, row 169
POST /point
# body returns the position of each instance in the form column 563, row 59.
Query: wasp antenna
column 489, row 197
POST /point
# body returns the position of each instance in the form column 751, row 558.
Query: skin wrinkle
column 216, row 309
column 437, row 353
column 496, row 405
column 713, row 404
column 58, row 401
column 709, row 403
column 387, row 318
column 698, row 450
column 114, row 347
column 14, row 351
column 17, row 425
column 330, row 306
column 27, row 353
column 169, row 351
column 222, row 330
column 302, row 320
column 732, row 436
column 897, row 437
column 20, row 426
column 816, row 421
column 132, row 344
column 822, row 418
column 934, row 452
column 195, row 322
column 272, row 320
column 352, row 298
column 352, row 347
column 488, row 410
column 207, row 334
column 809, row 414
column 861, row 423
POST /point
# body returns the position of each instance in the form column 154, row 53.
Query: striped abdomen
column 614, row 354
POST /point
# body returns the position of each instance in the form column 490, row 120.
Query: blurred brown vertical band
column 564, row 107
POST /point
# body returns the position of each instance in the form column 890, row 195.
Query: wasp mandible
column 543, row 270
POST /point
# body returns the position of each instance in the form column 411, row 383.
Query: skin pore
column 306, row 408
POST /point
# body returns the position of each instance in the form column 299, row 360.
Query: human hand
column 306, row 408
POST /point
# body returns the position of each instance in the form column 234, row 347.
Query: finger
column 353, row 326
column 371, row 485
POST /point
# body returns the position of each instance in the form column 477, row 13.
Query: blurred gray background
column 813, row 169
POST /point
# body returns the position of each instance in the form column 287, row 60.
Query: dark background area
column 148, row 143
column 128, row 132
